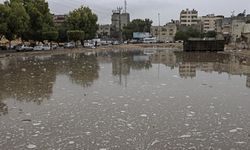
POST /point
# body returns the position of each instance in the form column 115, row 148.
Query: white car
column 42, row 48
column 69, row 45
column 89, row 45
column 23, row 48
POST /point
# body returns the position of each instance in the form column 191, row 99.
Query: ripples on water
column 125, row 100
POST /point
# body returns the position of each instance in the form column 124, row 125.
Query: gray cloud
column 169, row 9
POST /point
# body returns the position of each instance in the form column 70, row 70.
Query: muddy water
column 140, row 100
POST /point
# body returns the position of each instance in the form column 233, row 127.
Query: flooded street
column 130, row 100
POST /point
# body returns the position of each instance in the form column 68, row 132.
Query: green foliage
column 62, row 34
column 3, row 17
column 50, row 35
column 137, row 25
column 180, row 35
column 210, row 34
column 40, row 19
column 17, row 19
column 83, row 19
column 75, row 35
column 184, row 35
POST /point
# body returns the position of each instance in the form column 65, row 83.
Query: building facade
column 188, row 17
column 59, row 19
column 118, row 22
column 164, row 33
column 209, row 22
column 103, row 31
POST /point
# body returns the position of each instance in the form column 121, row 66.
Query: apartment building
column 164, row 33
column 209, row 22
column 59, row 19
column 188, row 17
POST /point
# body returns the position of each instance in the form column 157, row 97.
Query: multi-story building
column 118, row 21
column 208, row 22
column 223, row 25
column 59, row 19
column 237, row 27
column 164, row 33
column 188, row 17
column 104, row 30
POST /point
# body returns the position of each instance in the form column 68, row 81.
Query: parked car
column 3, row 47
column 89, row 45
column 54, row 46
column 42, row 47
column 69, row 45
column 23, row 48
column 116, row 43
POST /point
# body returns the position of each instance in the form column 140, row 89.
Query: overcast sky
column 168, row 9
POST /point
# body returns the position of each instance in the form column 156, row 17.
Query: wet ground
column 140, row 100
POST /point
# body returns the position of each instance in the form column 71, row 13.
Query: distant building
column 118, row 21
column 208, row 22
column 59, row 19
column 223, row 25
column 103, row 30
column 237, row 30
column 188, row 17
column 164, row 33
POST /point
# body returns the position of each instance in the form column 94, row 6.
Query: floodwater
column 130, row 100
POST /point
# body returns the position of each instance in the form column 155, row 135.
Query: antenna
column 125, row 4
column 233, row 13
column 244, row 12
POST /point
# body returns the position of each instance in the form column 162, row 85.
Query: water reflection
column 3, row 108
column 31, row 79
column 28, row 79
column 190, row 63
column 74, row 101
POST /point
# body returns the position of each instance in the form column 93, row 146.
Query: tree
column 76, row 35
column 62, row 34
column 40, row 19
column 83, row 19
column 210, row 34
column 137, row 25
column 181, row 35
column 17, row 20
column 3, row 17
column 188, row 33
column 50, row 36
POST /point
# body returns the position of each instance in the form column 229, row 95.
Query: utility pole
column 125, row 6
column 159, row 30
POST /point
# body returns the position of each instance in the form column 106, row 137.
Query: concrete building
column 118, row 21
column 188, row 17
column 223, row 25
column 59, row 19
column 236, row 30
column 103, row 30
column 246, row 35
column 208, row 22
column 164, row 33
